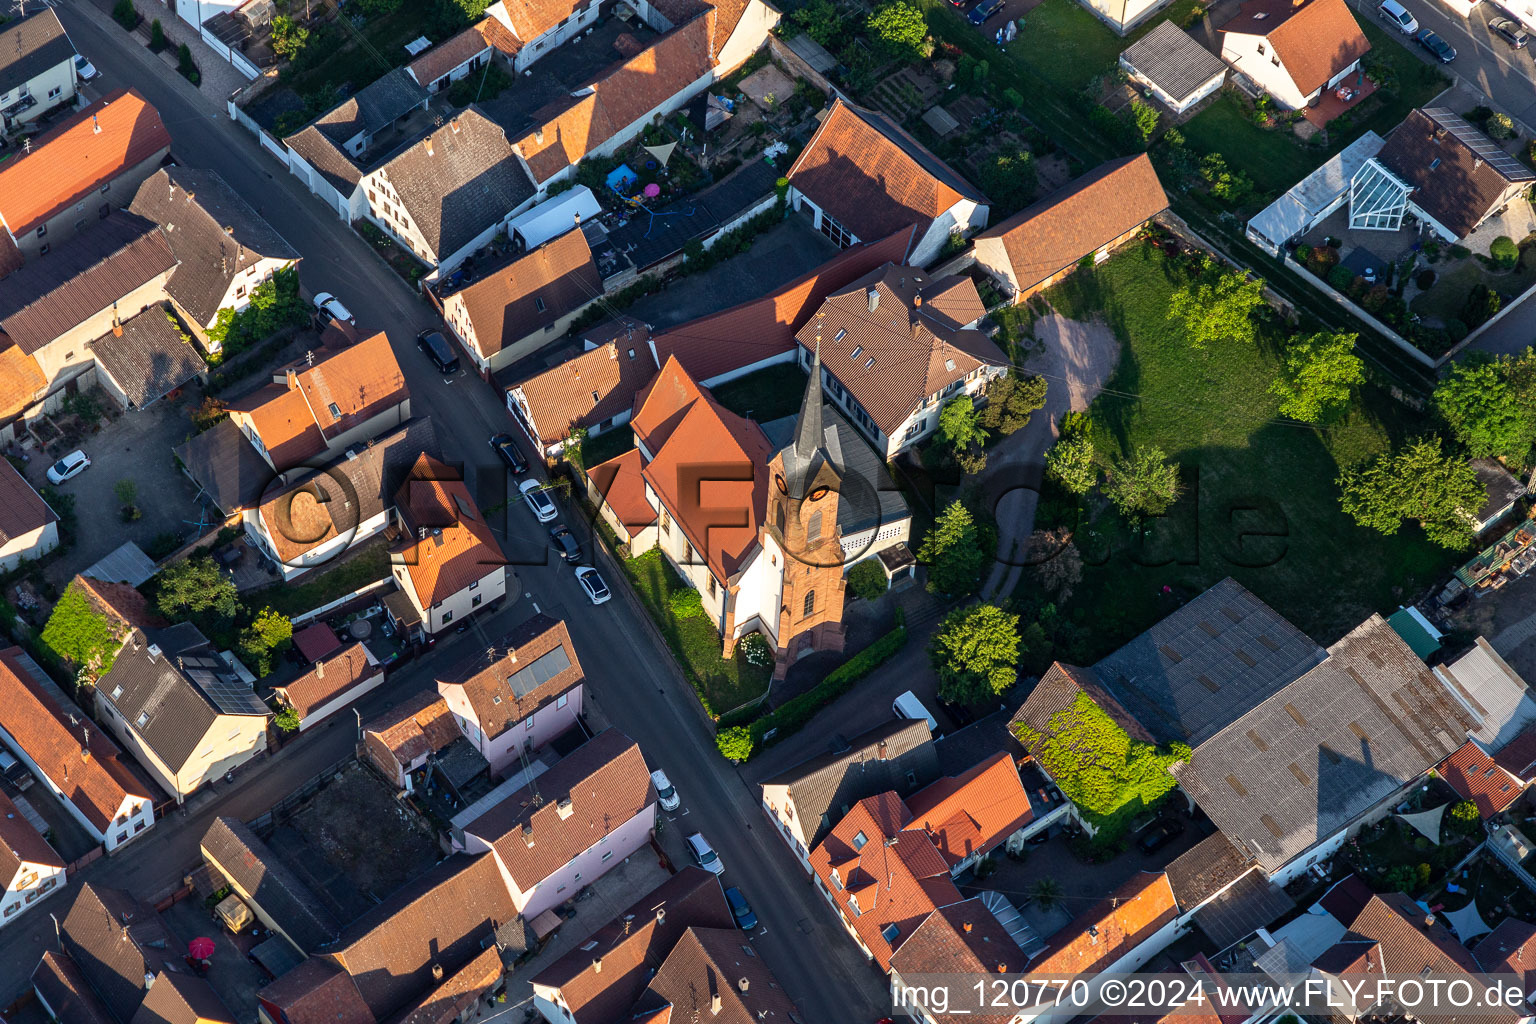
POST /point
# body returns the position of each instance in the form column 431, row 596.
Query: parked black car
column 439, row 351
column 506, row 449
column 1443, row 51
column 565, row 542
column 1160, row 834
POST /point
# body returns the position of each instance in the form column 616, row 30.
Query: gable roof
column 962, row 938
column 445, row 1003
column 157, row 686
column 531, row 293
column 459, row 547
column 1410, row 941
column 226, row 466
column 536, row 663
column 178, row 998
column 283, row 896
column 22, row 509
column 1110, row 928
column 1452, row 177
column 61, row 985
column 83, row 275
column 31, row 45
column 973, row 812
column 32, row 715
column 894, row 875
column 892, row 359
column 1323, row 749
column 623, row 489
column 530, row 19
column 713, row 962
column 872, row 177
column 1205, row 869
column 458, row 181
column 441, row 918
column 633, row 945
column 117, row 941
column 1172, row 60
column 588, row 794
column 213, row 232
column 372, row 109
column 335, row 499
column 330, row 677
column 1518, row 756
column 294, row 415
column 451, row 53
column 1509, row 949
column 1056, row 692
column 20, row 843
column 317, row 992
column 603, row 382
column 76, row 157
column 414, row 727
column 616, row 97
column 21, row 378
column 1314, row 39
column 737, row 452
column 1081, row 217
column 1475, row 776
column 148, row 357
column 875, row 762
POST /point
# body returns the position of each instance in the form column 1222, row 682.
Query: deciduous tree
column 1144, row 484
column 1438, row 490
column 1219, row 311
column 975, row 653
column 195, row 585
column 1071, row 463
column 1490, row 405
column 1321, row 371
column 1011, row 400
column 952, row 552
column 899, row 28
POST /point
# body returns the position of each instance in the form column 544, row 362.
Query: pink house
column 525, row 694
column 595, row 808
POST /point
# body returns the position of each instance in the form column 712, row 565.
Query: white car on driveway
column 85, row 69
column 538, row 500
column 666, row 793
column 704, row 854
column 69, row 467
column 331, row 306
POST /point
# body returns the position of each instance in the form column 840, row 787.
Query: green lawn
column 721, row 685
column 344, row 54
column 765, row 395
column 1260, row 502
column 1068, row 46
column 368, row 565
column 608, row 445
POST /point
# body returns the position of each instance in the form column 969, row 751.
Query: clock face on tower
column 818, row 494
column 778, row 481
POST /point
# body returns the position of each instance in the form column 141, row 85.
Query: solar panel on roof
column 1480, row 144
column 228, row 693
column 538, row 672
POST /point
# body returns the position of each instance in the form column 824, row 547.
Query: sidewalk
column 219, row 79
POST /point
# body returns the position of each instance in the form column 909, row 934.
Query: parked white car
column 69, row 467
column 538, row 500
column 908, row 705
column 331, row 306
column 705, row 854
column 592, row 584
column 666, row 793
column 85, row 69
column 1396, row 15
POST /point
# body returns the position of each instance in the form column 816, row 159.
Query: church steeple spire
column 809, row 433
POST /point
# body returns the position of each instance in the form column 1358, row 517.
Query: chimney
column 454, row 124
column 149, row 978
column 437, row 972
column 319, row 670
column 967, row 926
column 538, row 136
column 716, row 1004
column 428, row 143
column 564, row 808
column 742, row 984
column 661, row 915
column 85, row 754
column 578, row 220
column 873, row 295
column 1002, row 968
column 293, row 378
column 95, row 125
column 528, row 834
column 880, row 754
column 597, row 965
column 917, row 300
column 154, row 652
column 613, row 350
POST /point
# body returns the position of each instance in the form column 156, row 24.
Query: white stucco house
column 29, row 528
column 37, row 66
column 30, row 869
column 1294, row 51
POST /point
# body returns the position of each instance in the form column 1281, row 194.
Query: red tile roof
column 416, row 727
column 1409, row 944
column 330, row 678
column 962, row 938
column 450, row 54
column 532, row 18
column 1510, row 949
column 1477, row 777
column 68, row 994
column 1315, row 39
column 21, row 378
column 317, row 992
column 489, row 687
column 96, row 784
column 623, row 489
column 123, row 604
column 177, row 998
column 533, row 292
column 588, row 794
column 1111, row 928
column 74, row 159
column 460, row 547
column 713, row 962
column 316, row 641
column 974, row 812
column 882, row 874
column 22, row 509
column 20, row 843
column 1518, row 756
column 1079, row 218
column 661, row 406
column 873, row 177
column 712, row 476
column 446, row 1003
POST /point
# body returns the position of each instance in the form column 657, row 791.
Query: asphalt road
column 1483, row 60
column 630, row 674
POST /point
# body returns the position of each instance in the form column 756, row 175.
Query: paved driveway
column 135, row 446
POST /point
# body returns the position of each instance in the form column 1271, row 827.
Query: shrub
column 1425, row 279
column 1303, row 253
column 686, row 604
column 867, row 580
column 287, row 720
column 793, row 714
column 157, row 40
column 1459, row 252
column 735, row 744
column 124, row 14
column 754, row 647
column 1499, row 126
column 1504, row 252
column 1464, row 815
column 184, row 59
column 1013, row 99
column 1482, row 303
column 1341, row 277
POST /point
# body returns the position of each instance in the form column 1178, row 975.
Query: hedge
column 793, row 715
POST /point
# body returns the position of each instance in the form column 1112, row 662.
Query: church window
column 814, row 530
column 778, row 516
column 810, row 603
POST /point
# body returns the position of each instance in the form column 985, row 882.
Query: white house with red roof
column 1294, row 50
column 29, row 527
column 29, row 867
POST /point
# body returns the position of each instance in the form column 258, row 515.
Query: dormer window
column 837, row 882
column 853, row 904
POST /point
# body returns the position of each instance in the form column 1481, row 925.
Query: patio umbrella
column 200, row 948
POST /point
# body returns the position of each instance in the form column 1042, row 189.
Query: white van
column 908, row 706
column 1396, row 15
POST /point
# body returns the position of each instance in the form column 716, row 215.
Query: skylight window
column 335, row 411
column 857, row 351
column 869, row 362
column 143, row 719
column 840, row 335
column 949, row 364
column 859, row 840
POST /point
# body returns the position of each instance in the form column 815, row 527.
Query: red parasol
column 200, row 948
